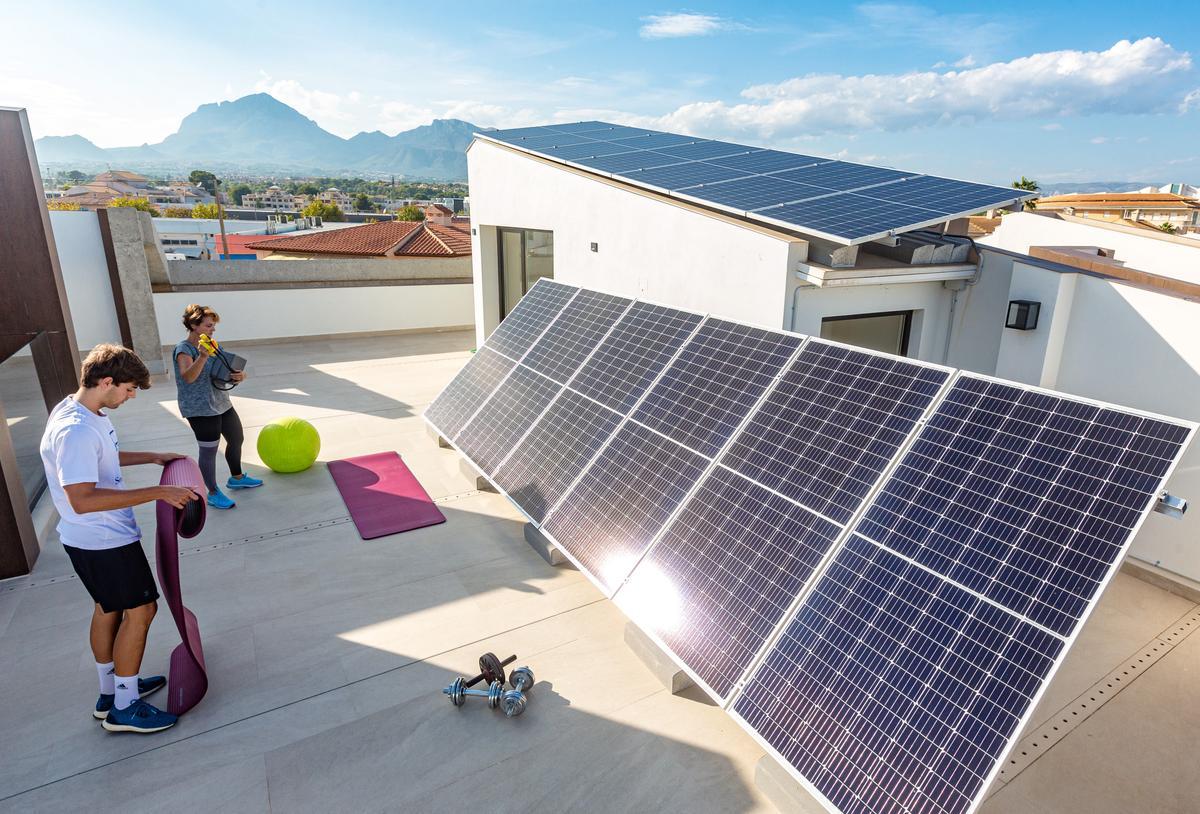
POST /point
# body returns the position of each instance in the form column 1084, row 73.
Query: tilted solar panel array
column 876, row 565
column 846, row 202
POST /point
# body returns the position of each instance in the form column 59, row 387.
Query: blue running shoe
column 139, row 717
column 244, row 482
column 146, row 686
column 218, row 500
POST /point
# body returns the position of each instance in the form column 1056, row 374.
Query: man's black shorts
column 117, row 578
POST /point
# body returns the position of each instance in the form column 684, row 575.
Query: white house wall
column 645, row 247
column 85, row 276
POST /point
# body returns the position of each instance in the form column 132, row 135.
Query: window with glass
column 526, row 256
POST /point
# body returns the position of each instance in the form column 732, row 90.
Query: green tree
column 140, row 204
column 76, row 176
column 206, row 211
column 324, row 211
column 1169, row 228
column 238, row 191
column 204, row 178
column 177, row 212
column 1029, row 185
column 308, row 189
column 60, row 205
column 362, row 203
column 409, row 213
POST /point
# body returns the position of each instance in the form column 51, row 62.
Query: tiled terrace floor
column 327, row 654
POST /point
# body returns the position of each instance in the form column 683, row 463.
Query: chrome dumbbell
column 458, row 693
column 513, row 701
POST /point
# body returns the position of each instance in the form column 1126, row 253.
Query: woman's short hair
column 122, row 364
column 193, row 315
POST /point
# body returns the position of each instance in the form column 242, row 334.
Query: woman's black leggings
column 210, row 429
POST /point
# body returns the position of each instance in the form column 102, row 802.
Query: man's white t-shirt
column 80, row 446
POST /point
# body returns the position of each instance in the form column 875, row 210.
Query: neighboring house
column 275, row 199
column 335, row 196
column 387, row 240
column 1146, row 209
column 1183, row 190
column 106, row 186
column 1120, row 325
column 200, row 238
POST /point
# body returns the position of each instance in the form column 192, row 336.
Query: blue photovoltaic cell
column 622, row 501
column 893, row 690
column 724, row 574
column 678, row 176
column 469, row 389
column 831, row 426
column 580, row 127
column 1024, row 497
column 611, row 132
column 557, row 449
column 626, row 162
column 655, row 141
column 767, row 161
column 541, row 304
column 709, row 388
column 549, row 141
column 588, row 149
column 633, row 355
column 575, row 334
column 842, row 176
column 514, row 135
column 706, row 149
column 754, row 192
column 511, row 410
column 942, row 194
column 848, row 215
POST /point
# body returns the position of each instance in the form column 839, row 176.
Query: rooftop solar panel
column 724, row 574
column 580, row 127
column 545, row 463
column 633, row 355
column 468, row 390
column 504, row 419
column 710, row 387
column 518, row 331
column 570, row 338
column 831, row 426
column 878, row 202
column 608, row 519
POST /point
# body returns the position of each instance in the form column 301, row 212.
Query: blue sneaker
column 146, row 686
column 244, row 482
column 139, row 717
column 218, row 500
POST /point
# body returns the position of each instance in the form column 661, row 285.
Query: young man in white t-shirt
column 83, row 473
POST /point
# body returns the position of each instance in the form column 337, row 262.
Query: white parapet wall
column 85, row 275
column 292, row 312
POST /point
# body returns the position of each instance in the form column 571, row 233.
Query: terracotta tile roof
column 1119, row 200
column 368, row 240
column 439, row 208
column 384, row 239
column 240, row 244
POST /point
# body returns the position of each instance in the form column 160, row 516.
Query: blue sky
column 1055, row 91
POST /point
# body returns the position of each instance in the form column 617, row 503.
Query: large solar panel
column 532, row 315
column 634, row 354
column 711, row 386
column 832, row 425
column 883, row 201
column 574, row 335
column 877, row 571
column 542, row 467
column 450, row 412
column 607, row 521
column 724, row 574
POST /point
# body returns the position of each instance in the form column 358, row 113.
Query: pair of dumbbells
column 491, row 670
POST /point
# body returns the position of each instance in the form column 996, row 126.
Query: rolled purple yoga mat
column 188, row 681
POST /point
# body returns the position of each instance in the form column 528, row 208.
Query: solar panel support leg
column 782, row 790
column 437, row 436
column 477, row 480
column 542, row 545
column 656, row 661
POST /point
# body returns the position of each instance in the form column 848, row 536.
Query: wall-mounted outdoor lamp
column 1023, row 315
column 595, row 247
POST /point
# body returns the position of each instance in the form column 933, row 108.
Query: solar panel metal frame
column 856, row 239
column 1068, row 642
column 818, row 572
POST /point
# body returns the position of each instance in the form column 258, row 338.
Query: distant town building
column 274, row 199
column 387, row 240
column 335, row 196
column 1183, row 190
column 106, row 186
column 1141, row 209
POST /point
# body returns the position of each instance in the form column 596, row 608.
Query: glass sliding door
column 887, row 332
column 526, row 255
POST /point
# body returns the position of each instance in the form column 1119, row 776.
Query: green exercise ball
column 289, row 444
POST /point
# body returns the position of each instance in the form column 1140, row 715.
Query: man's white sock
column 127, row 691
column 105, row 671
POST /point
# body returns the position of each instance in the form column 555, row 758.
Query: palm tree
column 1029, row 185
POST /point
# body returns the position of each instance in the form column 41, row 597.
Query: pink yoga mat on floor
column 188, row 680
column 382, row 495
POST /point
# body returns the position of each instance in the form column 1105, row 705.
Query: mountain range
column 259, row 132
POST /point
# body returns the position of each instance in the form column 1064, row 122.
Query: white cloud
column 1128, row 78
column 680, row 24
column 1052, row 126
column 1190, row 102
column 324, row 107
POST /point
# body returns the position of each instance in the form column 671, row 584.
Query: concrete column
column 122, row 226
